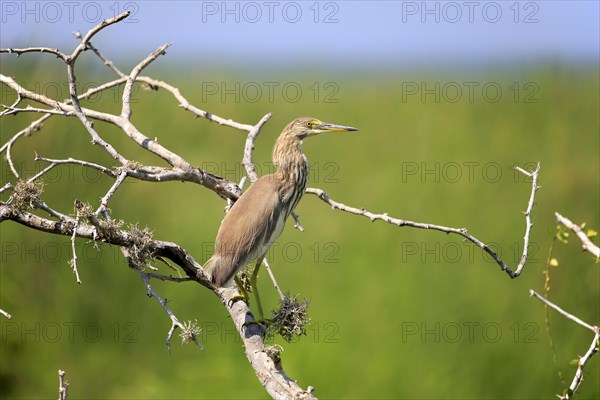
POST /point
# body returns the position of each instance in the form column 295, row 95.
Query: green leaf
column 553, row 262
column 562, row 238
column 591, row 233
column 574, row 363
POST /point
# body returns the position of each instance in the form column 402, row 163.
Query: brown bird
column 257, row 218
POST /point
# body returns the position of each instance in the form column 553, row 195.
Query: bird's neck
column 292, row 170
column 289, row 158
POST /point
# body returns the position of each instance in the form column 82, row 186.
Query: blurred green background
column 396, row 312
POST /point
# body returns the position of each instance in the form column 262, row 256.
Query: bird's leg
column 253, row 278
column 243, row 292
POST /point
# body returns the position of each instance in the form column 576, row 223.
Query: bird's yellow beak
column 327, row 127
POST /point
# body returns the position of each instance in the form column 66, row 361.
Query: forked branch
column 458, row 231
column 582, row 360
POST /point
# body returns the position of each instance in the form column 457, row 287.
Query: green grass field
column 396, row 312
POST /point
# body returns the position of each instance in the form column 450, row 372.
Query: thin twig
column 458, row 231
column 106, row 61
column 297, row 223
column 73, row 261
column 163, row 302
column 7, row 186
column 9, row 110
column 249, row 147
column 186, row 105
column 51, row 211
column 88, row 36
column 170, row 278
column 55, row 163
column 268, row 268
column 70, row 160
column 10, row 161
column 12, row 106
column 18, row 52
column 183, row 102
column 34, row 126
column 586, row 243
column 562, row 312
column 581, row 362
column 42, row 172
column 126, row 107
column 183, row 170
column 63, row 386
column 528, row 224
column 70, row 61
column 104, row 201
column 96, row 139
column 7, row 315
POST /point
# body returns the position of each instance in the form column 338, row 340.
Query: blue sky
column 323, row 34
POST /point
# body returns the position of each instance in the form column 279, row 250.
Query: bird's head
column 304, row 127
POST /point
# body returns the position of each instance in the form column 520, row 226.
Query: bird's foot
column 243, row 293
column 242, row 296
column 260, row 321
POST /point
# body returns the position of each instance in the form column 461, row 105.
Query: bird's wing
column 248, row 228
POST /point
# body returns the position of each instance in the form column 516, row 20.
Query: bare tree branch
column 586, row 243
column 186, row 105
column 111, row 192
column 163, row 302
column 562, row 312
column 33, row 127
column 83, row 44
column 18, row 52
column 249, row 147
column 272, row 276
column 528, row 224
column 105, row 60
column 126, row 108
column 63, row 386
column 581, row 361
column 266, row 363
column 7, row 315
column 74, row 249
column 182, row 171
column 458, row 231
column 183, row 102
column 54, row 163
column 8, row 109
column 170, row 278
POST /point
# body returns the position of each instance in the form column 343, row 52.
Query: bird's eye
column 309, row 124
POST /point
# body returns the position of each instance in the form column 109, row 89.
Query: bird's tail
column 214, row 271
column 209, row 268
